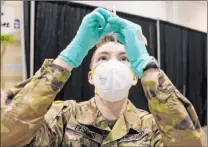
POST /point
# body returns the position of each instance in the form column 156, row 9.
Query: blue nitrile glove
column 90, row 31
column 130, row 34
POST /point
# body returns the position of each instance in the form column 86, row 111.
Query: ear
column 90, row 77
column 135, row 80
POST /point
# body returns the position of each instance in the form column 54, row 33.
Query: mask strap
column 127, row 94
column 92, row 72
column 96, row 91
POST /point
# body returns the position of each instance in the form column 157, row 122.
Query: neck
column 111, row 110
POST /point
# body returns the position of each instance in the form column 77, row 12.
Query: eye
column 102, row 58
column 124, row 59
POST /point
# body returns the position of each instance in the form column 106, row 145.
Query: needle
column 114, row 10
column 143, row 37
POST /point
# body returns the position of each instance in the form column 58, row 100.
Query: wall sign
column 7, row 20
column 9, row 24
column 16, row 23
column 7, row 38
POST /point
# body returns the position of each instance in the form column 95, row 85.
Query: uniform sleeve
column 24, row 116
column 54, row 126
column 7, row 96
column 176, row 119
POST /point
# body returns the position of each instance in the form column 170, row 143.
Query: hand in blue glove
column 130, row 34
column 91, row 30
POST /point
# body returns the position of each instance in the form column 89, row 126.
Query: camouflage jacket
column 33, row 119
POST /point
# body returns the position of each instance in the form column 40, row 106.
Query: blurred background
column 176, row 32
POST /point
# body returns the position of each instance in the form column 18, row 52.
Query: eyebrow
column 105, row 53
column 122, row 53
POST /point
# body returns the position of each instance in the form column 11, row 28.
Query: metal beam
column 158, row 43
column 32, row 37
column 22, row 33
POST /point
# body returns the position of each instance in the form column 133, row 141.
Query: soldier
column 32, row 118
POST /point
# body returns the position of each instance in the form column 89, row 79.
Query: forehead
column 110, row 47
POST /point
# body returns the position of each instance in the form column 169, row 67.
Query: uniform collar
column 90, row 115
column 93, row 114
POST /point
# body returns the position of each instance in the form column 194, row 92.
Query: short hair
column 105, row 39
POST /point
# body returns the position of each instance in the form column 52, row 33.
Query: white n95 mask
column 112, row 80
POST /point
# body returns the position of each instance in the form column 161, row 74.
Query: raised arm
column 175, row 116
column 176, row 119
column 22, row 121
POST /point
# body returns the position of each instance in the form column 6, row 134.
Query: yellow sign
column 7, row 38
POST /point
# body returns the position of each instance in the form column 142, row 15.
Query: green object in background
column 7, row 38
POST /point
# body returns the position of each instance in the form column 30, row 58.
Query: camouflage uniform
column 33, row 119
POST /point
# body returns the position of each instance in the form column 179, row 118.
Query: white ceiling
column 200, row 2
